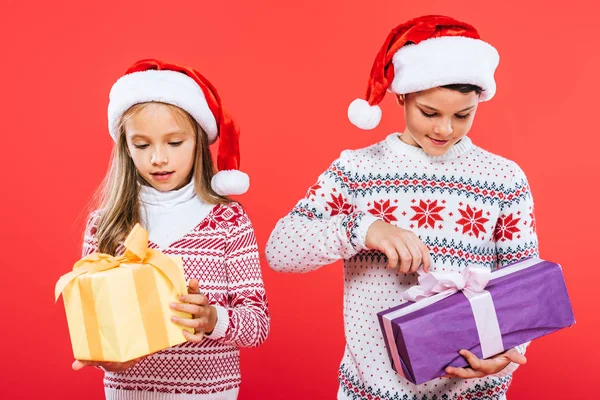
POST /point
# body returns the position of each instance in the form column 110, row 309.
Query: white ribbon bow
column 471, row 281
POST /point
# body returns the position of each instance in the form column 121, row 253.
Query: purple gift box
column 529, row 299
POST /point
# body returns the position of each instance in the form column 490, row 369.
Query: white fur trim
column 164, row 86
column 364, row 115
column 444, row 61
column 230, row 182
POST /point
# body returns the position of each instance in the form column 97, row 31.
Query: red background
column 287, row 71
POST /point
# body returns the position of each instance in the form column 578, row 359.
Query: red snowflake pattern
column 506, row 227
column 312, row 191
column 221, row 214
column 384, row 210
column 339, row 205
column 532, row 224
column 472, row 221
column 427, row 213
column 229, row 214
column 208, row 223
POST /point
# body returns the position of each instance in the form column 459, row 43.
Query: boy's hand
column 403, row 248
column 204, row 316
column 480, row 368
column 107, row 366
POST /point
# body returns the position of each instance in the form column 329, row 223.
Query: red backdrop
column 287, row 71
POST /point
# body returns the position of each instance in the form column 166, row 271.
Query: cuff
column 222, row 323
column 359, row 228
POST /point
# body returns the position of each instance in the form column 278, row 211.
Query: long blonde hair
column 119, row 193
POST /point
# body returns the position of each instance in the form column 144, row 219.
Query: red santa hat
column 154, row 80
column 424, row 53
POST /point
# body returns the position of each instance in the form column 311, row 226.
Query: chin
column 162, row 188
column 435, row 151
column 166, row 187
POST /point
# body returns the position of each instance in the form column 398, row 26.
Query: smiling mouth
column 438, row 142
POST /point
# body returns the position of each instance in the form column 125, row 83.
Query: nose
column 444, row 128
column 159, row 156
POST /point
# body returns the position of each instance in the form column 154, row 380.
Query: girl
column 428, row 197
column 163, row 118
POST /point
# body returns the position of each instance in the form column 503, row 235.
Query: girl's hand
column 107, row 366
column 480, row 368
column 403, row 248
column 204, row 316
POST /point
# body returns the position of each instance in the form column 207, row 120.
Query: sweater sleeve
column 245, row 320
column 515, row 231
column 323, row 227
column 515, row 234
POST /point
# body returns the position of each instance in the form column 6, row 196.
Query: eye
column 175, row 144
column 463, row 116
column 140, row 146
column 427, row 115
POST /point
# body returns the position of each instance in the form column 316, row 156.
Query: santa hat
column 154, row 80
column 424, row 53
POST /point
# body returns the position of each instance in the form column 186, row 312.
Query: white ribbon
column 436, row 286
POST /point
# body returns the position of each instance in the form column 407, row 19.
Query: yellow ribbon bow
column 102, row 344
column 137, row 252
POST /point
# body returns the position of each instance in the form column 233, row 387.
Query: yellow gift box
column 118, row 308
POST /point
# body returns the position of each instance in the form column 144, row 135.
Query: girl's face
column 437, row 118
column 162, row 146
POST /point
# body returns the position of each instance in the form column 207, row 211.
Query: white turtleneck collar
column 398, row 146
column 168, row 216
column 170, row 199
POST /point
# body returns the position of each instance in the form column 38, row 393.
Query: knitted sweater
column 220, row 251
column 468, row 206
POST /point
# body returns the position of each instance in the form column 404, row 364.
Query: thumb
column 78, row 365
column 194, row 287
column 516, row 357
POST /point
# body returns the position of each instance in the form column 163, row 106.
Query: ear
column 400, row 99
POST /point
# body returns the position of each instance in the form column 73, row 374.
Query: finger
column 464, row 373
column 196, row 323
column 425, row 256
column 405, row 257
column 189, row 308
column 415, row 253
column 487, row 367
column 110, row 366
column 78, row 365
column 516, row 357
column 120, row 366
column 196, row 298
column 194, row 286
column 194, row 338
column 129, row 363
column 472, row 359
column 391, row 254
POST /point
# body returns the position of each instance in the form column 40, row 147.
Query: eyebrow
column 142, row 136
column 435, row 109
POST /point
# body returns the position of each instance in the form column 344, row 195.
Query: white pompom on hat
column 424, row 53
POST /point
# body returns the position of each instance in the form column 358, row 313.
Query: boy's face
column 437, row 118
